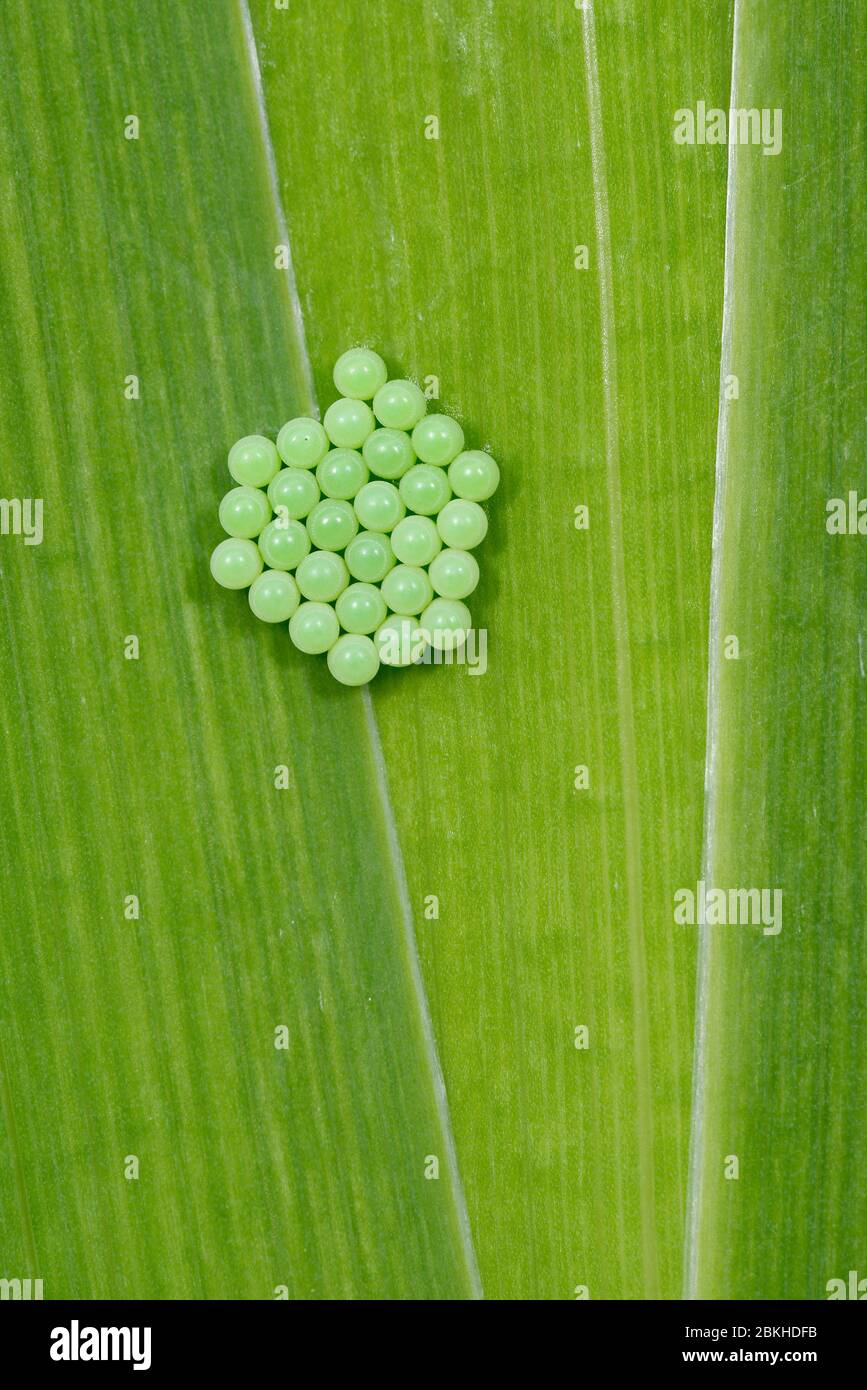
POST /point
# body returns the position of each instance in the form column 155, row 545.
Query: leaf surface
column 782, row 1018
column 154, row 1038
column 456, row 258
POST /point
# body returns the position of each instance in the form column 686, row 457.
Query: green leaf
column 155, row 1038
column 783, row 1022
column 598, row 387
column 436, row 906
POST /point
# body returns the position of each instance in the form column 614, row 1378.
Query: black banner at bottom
column 224, row 1338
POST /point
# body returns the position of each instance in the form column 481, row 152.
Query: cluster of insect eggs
column 359, row 531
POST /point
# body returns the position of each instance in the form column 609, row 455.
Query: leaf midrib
column 395, row 856
column 694, row 1167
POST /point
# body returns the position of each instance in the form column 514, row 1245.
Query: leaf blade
column 782, row 1019
column 259, row 1168
column 454, row 258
